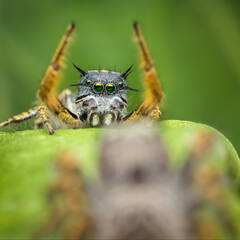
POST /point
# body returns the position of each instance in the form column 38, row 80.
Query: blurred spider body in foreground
column 101, row 98
column 139, row 194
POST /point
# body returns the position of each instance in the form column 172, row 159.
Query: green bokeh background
column 195, row 45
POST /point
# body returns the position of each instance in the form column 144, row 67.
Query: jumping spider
column 101, row 98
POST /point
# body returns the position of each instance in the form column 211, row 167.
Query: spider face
column 101, row 98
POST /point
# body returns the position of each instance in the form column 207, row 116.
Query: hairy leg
column 44, row 116
column 68, row 202
column 47, row 92
column 153, row 90
column 20, row 117
column 213, row 186
column 65, row 98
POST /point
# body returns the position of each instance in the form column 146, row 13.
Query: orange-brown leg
column 20, row 117
column 65, row 98
column 212, row 186
column 69, row 206
column 153, row 91
column 47, row 92
column 44, row 116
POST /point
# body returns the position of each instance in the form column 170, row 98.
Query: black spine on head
column 80, row 70
column 73, row 24
column 76, row 84
column 135, row 24
column 127, row 72
column 131, row 89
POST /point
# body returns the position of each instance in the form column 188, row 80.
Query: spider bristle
column 131, row 89
column 76, row 84
column 73, row 24
column 135, row 24
column 80, row 70
column 127, row 72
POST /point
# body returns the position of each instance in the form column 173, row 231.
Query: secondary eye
column 110, row 88
column 88, row 82
column 98, row 87
column 120, row 84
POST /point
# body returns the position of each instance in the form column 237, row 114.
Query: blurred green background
column 195, row 45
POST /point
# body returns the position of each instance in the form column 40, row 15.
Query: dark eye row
column 99, row 87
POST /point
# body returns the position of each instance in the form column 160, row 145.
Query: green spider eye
column 120, row 84
column 110, row 88
column 88, row 82
column 98, row 87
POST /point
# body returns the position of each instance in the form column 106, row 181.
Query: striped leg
column 153, row 90
column 43, row 114
column 20, row 117
column 65, row 98
column 47, row 92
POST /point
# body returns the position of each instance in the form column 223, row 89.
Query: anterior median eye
column 98, row 87
column 88, row 82
column 110, row 88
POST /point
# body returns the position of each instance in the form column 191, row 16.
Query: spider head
column 102, row 97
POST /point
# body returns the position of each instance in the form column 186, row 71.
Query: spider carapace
column 101, row 98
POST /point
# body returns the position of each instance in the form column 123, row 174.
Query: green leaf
column 27, row 166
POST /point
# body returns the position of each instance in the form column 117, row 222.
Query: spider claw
column 51, row 132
